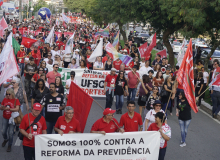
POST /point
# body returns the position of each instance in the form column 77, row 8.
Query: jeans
column 162, row 153
column 133, row 92
column 43, row 112
column 109, row 99
column 50, row 126
column 7, row 131
column 22, row 108
column 119, row 101
column 29, row 153
column 183, row 128
column 21, row 65
column 216, row 102
column 27, row 84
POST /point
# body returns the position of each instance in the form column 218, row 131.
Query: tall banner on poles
column 112, row 146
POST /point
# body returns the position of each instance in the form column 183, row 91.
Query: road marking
column 18, row 142
column 209, row 116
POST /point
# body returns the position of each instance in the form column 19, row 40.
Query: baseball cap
column 157, row 102
column 107, row 111
column 37, row 106
column 113, row 69
column 21, row 46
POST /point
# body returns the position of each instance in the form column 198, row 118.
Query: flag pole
column 202, row 93
column 26, row 101
column 134, row 73
column 103, row 110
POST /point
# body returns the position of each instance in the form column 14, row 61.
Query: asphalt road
column 202, row 139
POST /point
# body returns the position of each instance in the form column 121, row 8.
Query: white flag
column 50, row 37
column 69, row 44
column 97, row 52
column 65, row 18
column 8, row 63
column 181, row 53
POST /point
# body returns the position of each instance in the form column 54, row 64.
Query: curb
column 208, row 109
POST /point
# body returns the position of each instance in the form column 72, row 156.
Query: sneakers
column 9, row 149
column 4, row 143
column 117, row 111
column 120, row 111
column 183, row 144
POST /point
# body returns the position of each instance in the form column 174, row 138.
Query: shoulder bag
column 18, row 119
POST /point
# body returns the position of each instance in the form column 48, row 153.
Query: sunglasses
column 12, row 82
column 41, row 70
column 155, row 89
column 158, row 105
column 8, row 94
column 56, row 67
column 56, row 57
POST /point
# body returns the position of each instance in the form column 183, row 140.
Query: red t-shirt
column 104, row 59
column 131, row 64
column 21, row 54
column 51, row 76
column 36, row 76
column 132, row 79
column 88, row 63
column 117, row 64
column 9, row 103
column 35, row 129
column 131, row 125
column 59, row 43
column 14, row 30
column 73, row 125
column 101, row 125
column 111, row 80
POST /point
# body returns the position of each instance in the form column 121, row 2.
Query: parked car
column 176, row 47
column 205, row 52
column 141, row 37
column 201, row 44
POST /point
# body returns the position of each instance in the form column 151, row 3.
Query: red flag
column 151, row 46
column 217, row 80
column 142, row 49
column 28, row 42
column 185, row 77
column 64, row 25
column 1, row 3
column 81, row 103
column 163, row 53
column 3, row 26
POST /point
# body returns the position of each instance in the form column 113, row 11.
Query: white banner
column 112, row 146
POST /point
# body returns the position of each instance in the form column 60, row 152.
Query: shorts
column 141, row 103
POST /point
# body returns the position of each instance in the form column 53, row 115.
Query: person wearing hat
column 106, row 124
column 150, row 116
column 165, row 133
column 133, row 81
column 21, row 55
column 109, row 87
column 68, row 82
column 38, row 126
column 167, row 73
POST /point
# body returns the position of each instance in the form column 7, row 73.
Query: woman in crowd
column 9, row 104
column 157, row 68
column 59, row 85
column 67, row 59
column 165, row 133
column 150, row 117
column 183, row 112
column 44, row 66
column 199, row 65
column 40, row 91
column 136, row 62
column 167, row 87
column 142, row 62
column 108, row 64
column 98, row 65
column 158, row 80
column 43, row 76
column 73, row 64
column 37, row 75
column 58, row 61
column 44, row 52
column 144, row 92
column 68, row 82
column 121, row 90
column 199, row 84
column 82, row 65
column 77, row 57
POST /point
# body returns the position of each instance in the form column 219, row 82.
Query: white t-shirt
column 77, row 57
column 98, row 64
column 142, row 64
column 144, row 70
column 205, row 76
column 54, row 53
column 68, row 82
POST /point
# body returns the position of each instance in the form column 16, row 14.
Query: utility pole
column 20, row 10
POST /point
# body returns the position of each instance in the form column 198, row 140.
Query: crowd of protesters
column 152, row 82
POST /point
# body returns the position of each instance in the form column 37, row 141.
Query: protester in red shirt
column 38, row 126
column 53, row 74
column 59, row 43
column 133, row 80
column 67, row 123
column 21, row 55
column 106, row 124
column 36, row 55
column 117, row 63
column 37, row 75
column 131, row 120
column 9, row 105
column 89, row 65
column 109, row 87
column 165, row 132
column 105, row 58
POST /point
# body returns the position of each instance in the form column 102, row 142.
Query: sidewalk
column 208, row 109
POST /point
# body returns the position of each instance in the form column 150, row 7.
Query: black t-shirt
column 52, row 104
column 185, row 110
column 150, row 102
column 32, row 68
column 60, row 89
column 37, row 95
column 118, row 86
column 163, row 68
column 199, row 83
column 45, row 70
